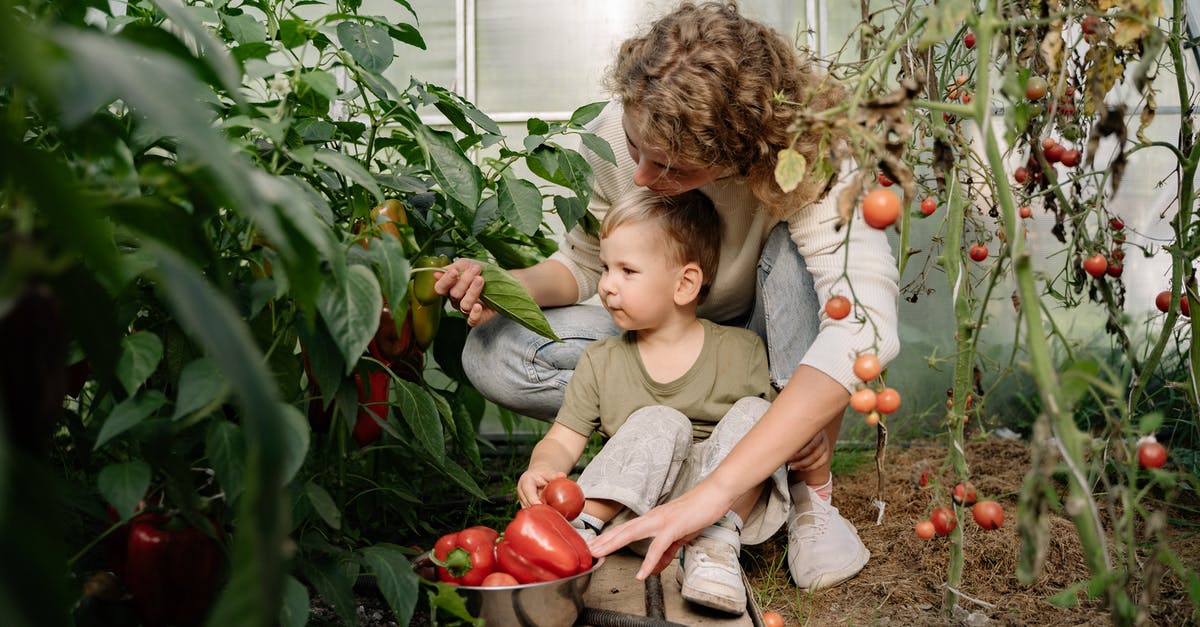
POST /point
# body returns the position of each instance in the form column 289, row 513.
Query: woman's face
column 660, row 172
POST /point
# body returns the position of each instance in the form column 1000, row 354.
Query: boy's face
column 638, row 280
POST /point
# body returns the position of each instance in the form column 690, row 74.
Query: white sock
column 590, row 522
column 825, row 490
column 731, row 518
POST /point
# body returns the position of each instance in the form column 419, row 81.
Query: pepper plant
column 192, row 260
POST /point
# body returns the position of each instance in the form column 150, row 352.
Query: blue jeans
column 528, row 374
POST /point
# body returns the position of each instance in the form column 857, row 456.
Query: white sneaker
column 823, row 548
column 709, row 572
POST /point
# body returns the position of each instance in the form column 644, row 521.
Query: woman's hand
column 462, row 283
column 672, row 525
column 531, row 482
column 815, row 454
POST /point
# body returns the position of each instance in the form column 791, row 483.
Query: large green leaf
column 323, row 504
column 323, row 356
column 124, row 486
column 577, row 173
column 396, row 579
column 387, row 255
column 332, row 583
column 350, row 310
column 295, row 608
column 587, row 113
column 520, row 202
column 369, row 45
column 128, row 414
column 141, row 353
column 226, row 449
column 421, row 414
column 509, row 298
column 600, row 146
column 245, row 28
column 570, row 210
column 453, row 171
column 295, row 438
column 459, row 475
column 211, row 50
column 201, row 386
column 351, row 169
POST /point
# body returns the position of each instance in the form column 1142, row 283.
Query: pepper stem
column 457, row 562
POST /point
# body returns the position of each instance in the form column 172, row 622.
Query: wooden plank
column 615, row 587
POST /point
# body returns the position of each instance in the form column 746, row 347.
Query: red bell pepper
column 466, row 557
column 172, row 570
column 540, row 545
column 372, row 400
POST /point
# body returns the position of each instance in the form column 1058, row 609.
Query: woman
column 696, row 106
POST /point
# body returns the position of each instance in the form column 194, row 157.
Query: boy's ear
column 687, row 289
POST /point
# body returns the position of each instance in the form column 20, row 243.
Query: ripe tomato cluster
column 874, row 403
column 987, row 514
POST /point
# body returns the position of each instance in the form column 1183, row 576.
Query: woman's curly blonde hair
column 715, row 88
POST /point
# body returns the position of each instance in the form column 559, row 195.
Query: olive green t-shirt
column 610, row 382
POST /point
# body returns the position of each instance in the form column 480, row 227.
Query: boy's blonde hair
column 706, row 83
column 689, row 221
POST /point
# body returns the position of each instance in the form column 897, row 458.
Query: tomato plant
column 1151, row 453
column 887, row 401
column 1096, row 265
column 928, row 206
column 925, row 530
column 978, row 252
column 867, row 367
column 880, row 208
column 863, row 401
column 964, row 494
column 837, row 307
column 944, row 521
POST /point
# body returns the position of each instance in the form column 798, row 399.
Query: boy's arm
column 555, row 455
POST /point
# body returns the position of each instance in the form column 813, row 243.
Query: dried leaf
column 790, row 169
column 1052, row 47
column 847, row 199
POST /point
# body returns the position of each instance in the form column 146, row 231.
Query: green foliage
column 192, row 183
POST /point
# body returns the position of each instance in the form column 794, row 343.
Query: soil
column 904, row 581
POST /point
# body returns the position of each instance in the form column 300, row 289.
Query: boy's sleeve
column 580, row 411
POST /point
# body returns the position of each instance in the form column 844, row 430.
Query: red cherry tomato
column 884, row 180
column 837, row 307
column 499, row 579
column 565, row 496
column 1070, row 158
column 1021, row 174
column 964, row 494
column 887, row 401
column 1163, row 302
column 867, row 367
column 1096, row 265
column 863, row 401
column 872, row 418
column 880, row 208
column 988, row 514
column 928, row 206
column 978, row 252
column 1054, row 152
column 1114, row 269
column 1025, row 211
column 1116, row 223
column 1117, row 254
column 925, row 530
column 944, row 521
column 1151, row 454
column 969, row 40
column 772, row 619
column 1036, row 88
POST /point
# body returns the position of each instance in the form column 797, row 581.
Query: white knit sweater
column 869, row 265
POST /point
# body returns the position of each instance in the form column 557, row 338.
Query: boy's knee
column 659, row 421
column 743, row 415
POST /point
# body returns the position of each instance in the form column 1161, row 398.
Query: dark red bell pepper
column 540, row 545
column 466, row 557
column 172, row 570
column 372, row 398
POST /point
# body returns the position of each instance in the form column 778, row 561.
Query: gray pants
column 651, row 459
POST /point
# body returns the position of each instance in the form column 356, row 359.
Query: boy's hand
column 531, row 482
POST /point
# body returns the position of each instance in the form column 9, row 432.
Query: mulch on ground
column 904, row 582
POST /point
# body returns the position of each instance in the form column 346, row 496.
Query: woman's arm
column 806, row 404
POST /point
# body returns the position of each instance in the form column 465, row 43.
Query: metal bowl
column 547, row 604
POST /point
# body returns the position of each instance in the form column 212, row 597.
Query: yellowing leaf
column 790, row 169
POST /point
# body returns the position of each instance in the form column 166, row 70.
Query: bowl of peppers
column 535, row 575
